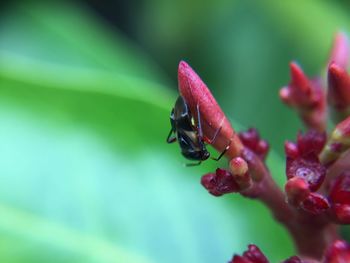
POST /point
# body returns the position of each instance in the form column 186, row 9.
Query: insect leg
column 193, row 164
column 223, row 152
column 210, row 141
column 170, row 139
column 200, row 131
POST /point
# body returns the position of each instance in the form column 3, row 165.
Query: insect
column 189, row 136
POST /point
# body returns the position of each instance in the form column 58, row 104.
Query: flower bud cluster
column 305, row 173
column 223, row 181
column 317, row 190
column 245, row 171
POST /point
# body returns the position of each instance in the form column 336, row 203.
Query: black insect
column 189, row 136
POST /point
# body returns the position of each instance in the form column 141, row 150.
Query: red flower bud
column 315, row 204
column 340, row 51
column 291, row 150
column 222, row 182
column 338, row 79
column 338, row 252
column 297, row 190
column 338, row 89
column 311, row 142
column 255, row 255
column 340, row 198
column 251, row 139
column 341, row 213
column 307, row 97
column 298, row 193
column 340, row 191
column 252, row 255
column 299, row 91
column 310, row 169
column 215, row 125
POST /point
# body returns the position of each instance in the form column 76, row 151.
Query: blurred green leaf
column 86, row 174
column 69, row 37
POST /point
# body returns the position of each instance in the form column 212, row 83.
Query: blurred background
column 86, row 88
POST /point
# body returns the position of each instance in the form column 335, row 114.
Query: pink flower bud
column 297, row 190
column 340, row 50
column 306, row 96
column 239, row 169
column 214, row 122
column 300, row 88
column 291, row 150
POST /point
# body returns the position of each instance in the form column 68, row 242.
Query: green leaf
column 70, row 36
column 86, row 173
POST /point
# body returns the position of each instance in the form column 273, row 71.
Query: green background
column 85, row 173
